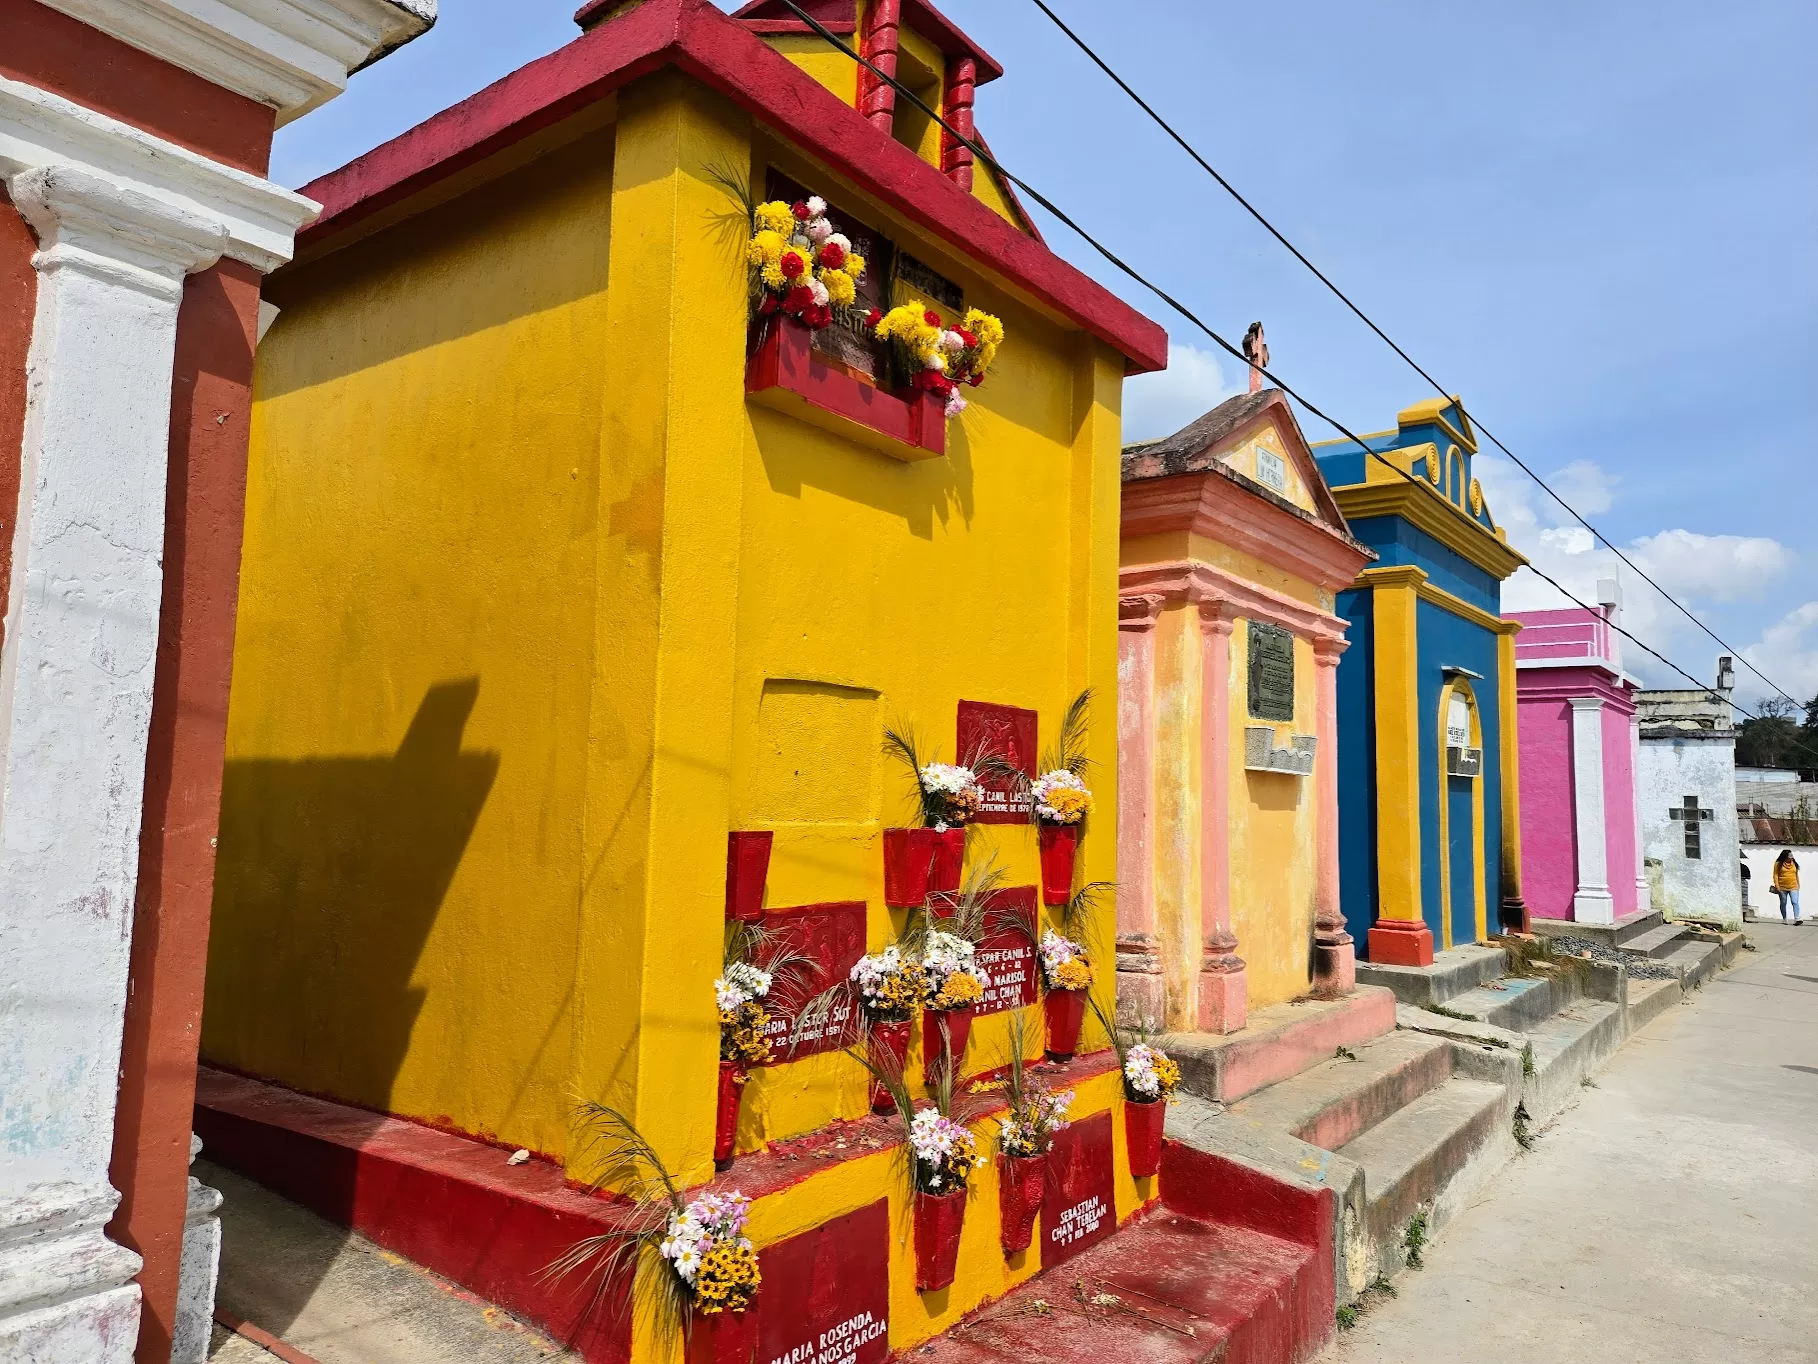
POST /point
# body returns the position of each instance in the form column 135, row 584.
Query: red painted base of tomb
column 1397, row 942
column 722, row 1338
column 1233, row 1266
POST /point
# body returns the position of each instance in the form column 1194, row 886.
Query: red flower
column 932, row 381
column 800, row 209
column 798, row 299
column 833, row 255
column 932, row 319
column 792, row 264
column 820, row 315
column 976, row 380
column 767, row 306
column 967, row 338
column 872, row 318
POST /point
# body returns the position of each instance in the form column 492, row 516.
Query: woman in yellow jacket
column 1786, row 883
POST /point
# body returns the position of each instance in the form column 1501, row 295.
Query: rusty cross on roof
column 1256, row 351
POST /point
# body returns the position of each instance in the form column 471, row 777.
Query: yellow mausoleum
column 549, row 585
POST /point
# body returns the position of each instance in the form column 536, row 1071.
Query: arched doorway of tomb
column 1463, row 906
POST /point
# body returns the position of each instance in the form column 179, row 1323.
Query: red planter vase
column 1064, row 1010
column 747, row 867
column 938, row 1219
column 955, row 1026
column 908, row 864
column 1021, row 1186
column 1143, row 1123
column 726, row 1113
column 1059, row 845
column 893, row 1039
column 949, row 861
column 722, row 1337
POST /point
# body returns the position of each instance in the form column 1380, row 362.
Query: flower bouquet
column 799, row 266
column 952, row 985
column 1066, row 973
column 703, row 1271
column 890, row 987
column 932, row 357
column 1024, row 1138
column 743, row 1043
column 1061, row 801
column 943, row 1154
column 930, row 858
column 1150, row 1078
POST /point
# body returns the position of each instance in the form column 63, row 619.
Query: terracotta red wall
column 64, row 55
column 204, row 508
column 18, row 298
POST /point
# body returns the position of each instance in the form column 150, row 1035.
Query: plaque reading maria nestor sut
column 826, row 1293
column 831, row 939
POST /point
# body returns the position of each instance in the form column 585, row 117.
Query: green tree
column 1774, row 738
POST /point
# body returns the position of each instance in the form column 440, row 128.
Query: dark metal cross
column 1691, row 815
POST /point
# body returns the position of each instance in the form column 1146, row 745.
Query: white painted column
column 1591, row 903
column 1644, row 899
column 75, row 703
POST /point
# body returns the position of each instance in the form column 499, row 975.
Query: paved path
column 340, row 1299
column 1670, row 1216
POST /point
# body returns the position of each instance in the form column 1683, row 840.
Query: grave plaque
column 1080, row 1208
column 826, row 1293
column 930, row 284
column 832, row 937
column 848, row 343
column 1271, row 672
column 1007, row 953
column 1006, row 732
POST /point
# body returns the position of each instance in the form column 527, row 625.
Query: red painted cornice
column 711, row 47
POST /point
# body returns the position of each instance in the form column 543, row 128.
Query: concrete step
column 1563, row 1050
column 1612, row 935
column 1412, row 1158
column 1513, row 1002
column 1648, row 999
column 1656, row 942
column 1452, row 973
column 1694, row 961
column 1279, row 1041
column 1166, row 1289
column 1338, row 1100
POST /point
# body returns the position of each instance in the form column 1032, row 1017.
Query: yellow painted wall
column 482, row 476
column 1273, row 840
column 1173, row 546
column 396, row 912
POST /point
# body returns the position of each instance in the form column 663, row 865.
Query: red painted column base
column 1398, row 942
column 1514, row 915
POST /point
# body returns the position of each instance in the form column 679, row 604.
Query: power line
column 979, row 152
column 1389, row 341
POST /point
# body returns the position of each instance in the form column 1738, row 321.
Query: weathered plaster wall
column 1549, row 857
column 1669, row 771
column 400, row 864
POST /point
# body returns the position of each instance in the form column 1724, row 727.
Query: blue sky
column 1599, row 231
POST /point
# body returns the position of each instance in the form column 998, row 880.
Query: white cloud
column 1702, row 571
column 1157, row 405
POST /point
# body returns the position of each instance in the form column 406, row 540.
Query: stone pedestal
column 199, row 1273
column 1401, row 942
column 1224, row 992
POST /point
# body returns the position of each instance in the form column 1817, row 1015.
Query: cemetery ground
column 1668, row 1217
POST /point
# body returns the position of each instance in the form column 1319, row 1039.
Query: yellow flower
column 1167, row 1073
column 742, row 1034
column 985, row 327
column 772, row 275
column 727, row 1278
column 775, row 216
column 840, row 288
column 855, row 266
column 1070, row 804
column 962, row 988
column 1074, row 975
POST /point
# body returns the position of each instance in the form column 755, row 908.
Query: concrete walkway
column 339, row 1299
column 1672, row 1215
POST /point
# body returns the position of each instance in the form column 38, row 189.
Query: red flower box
column 952, row 1026
column 938, row 1219
column 726, row 1113
column 1064, row 1011
column 891, row 1039
column 949, row 861
column 722, row 1337
column 908, row 863
column 747, row 868
column 784, row 374
column 1021, row 1186
column 1143, row 1123
column 1060, row 845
